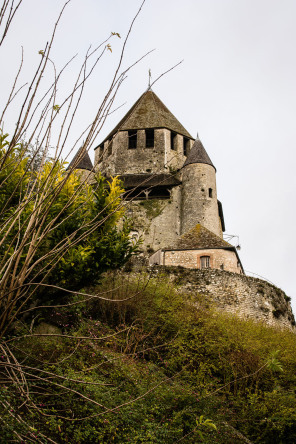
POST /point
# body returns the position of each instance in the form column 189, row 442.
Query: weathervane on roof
column 149, row 81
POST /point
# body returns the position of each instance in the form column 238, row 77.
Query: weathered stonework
column 151, row 219
column 113, row 158
column 171, row 197
column 172, row 168
column 219, row 259
column 199, row 198
column 241, row 295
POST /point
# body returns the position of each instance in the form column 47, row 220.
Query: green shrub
column 163, row 364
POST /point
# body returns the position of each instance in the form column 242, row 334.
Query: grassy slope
column 173, row 361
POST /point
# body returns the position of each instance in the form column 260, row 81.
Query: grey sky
column 236, row 88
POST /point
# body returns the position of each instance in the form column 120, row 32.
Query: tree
column 56, row 230
column 50, row 218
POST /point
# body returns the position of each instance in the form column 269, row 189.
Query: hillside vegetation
column 151, row 366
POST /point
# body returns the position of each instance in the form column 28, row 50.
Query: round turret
column 199, row 192
column 82, row 164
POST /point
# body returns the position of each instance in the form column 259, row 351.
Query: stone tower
column 199, row 192
column 171, row 197
column 170, row 184
column 148, row 140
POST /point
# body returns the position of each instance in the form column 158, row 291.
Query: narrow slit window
column 110, row 145
column 101, row 152
column 205, row 262
column 149, row 133
column 132, row 139
column 173, row 141
column 210, row 192
column 185, row 146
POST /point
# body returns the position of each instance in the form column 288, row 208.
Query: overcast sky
column 235, row 87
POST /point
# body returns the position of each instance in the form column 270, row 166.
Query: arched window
column 205, row 262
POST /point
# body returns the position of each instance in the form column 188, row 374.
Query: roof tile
column 149, row 112
column 198, row 154
column 81, row 161
column 148, row 180
column 197, row 238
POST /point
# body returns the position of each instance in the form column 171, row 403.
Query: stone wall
column 118, row 159
column 175, row 158
column 242, row 295
column 156, row 221
column 219, row 259
column 198, row 206
column 140, row 159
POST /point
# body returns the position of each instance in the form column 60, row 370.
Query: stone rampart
column 242, row 295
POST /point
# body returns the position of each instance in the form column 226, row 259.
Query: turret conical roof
column 81, row 161
column 149, row 112
column 198, row 154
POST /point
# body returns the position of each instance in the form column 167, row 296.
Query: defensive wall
column 242, row 295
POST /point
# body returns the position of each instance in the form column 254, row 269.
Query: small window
column 132, row 139
column 205, row 262
column 173, row 141
column 101, row 152
column 110, row 145
column 185, row 146
column 210, row 192
column 149, row 133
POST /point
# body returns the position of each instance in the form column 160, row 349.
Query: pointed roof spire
column 81, row 161
column 149, row 112
column 198, row 154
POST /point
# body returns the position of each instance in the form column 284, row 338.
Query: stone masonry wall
column 174, row 159
column 157, row 221
column 242, row 295
column 197, row 205
column 191, row 259
column 141, row 160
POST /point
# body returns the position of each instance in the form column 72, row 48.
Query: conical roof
column 197, row 238
column 81, row 161
column 198, row 154
column 149, row 112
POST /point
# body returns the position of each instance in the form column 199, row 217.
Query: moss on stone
column 152, row 207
